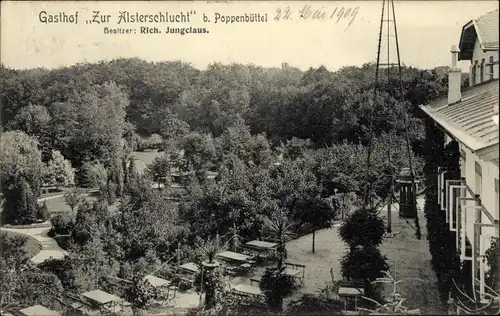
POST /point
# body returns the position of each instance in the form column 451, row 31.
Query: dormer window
column 491, row 67
column 482, row 70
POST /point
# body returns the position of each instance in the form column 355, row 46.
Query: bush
column 323, row 303
column 185, row 285
column 366, row 265
column 366, row 221
column 277, row 285
column 62, row 224
column 63, row 241
column 20, row 204
column 43, row 212
column 111, row 192
column 364, row 231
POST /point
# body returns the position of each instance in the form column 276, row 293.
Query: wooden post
column 235, row 237
column 178, row 256
column 389, row 204
column 460, row 202
column 477, row 244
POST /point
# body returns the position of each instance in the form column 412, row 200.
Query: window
column 497, row 198
column 474, row 70
column 482, row 70
column 491, row 67
column 479, row 179
column 462, row 164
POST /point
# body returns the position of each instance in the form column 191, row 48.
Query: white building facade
column 470, row 117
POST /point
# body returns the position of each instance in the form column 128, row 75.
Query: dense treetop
column 172, row 96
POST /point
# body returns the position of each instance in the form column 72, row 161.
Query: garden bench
column 254, row 280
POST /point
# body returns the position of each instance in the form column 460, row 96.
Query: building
column 479, row 44
column 470, row 117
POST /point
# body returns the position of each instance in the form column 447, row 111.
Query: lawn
column 144, row 158
column 32, row 246
column 410, row 256
column 58, row 205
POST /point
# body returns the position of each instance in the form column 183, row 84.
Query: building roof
column 38, row 310
column 101, row 297
column 485, row 28
column 471, row 121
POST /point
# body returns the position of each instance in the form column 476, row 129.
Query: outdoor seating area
column 350, row 292
column 165, row 287
column 261, row 250
column 298, row 271
column 96, row 302
column 248, row 291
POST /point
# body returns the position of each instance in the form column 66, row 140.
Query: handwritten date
column 309, row 13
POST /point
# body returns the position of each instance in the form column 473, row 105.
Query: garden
column 160, row 192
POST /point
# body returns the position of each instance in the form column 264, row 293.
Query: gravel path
column 50, row 248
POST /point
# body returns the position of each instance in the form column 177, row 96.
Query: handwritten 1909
column 309, row 13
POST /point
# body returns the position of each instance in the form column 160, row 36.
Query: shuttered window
column 497, row 199
column 463, row 162
column 479, row 179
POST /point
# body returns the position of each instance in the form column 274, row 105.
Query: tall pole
column 389, row 203
column 367, row 198
column 418, row 233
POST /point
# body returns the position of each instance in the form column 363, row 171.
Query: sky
column 426, row 32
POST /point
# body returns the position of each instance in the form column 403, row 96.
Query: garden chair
column 296, row 266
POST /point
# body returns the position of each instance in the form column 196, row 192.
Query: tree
column 73, row 197
column 31, row 119
column 90, row 123
column 160, row 169
column 140, row 293
column 64, row 269
column 276, row 285
column 363, row 262
column 493, row 274
column 279, row 228
column 39, row 288
column 19, row 151
column 62, row 224
column 316, row 212
column 366, row 221
column 89, row 222
column 95, row 175
column 43, row 212
column 148, row 221
column 20, row 204
column 34, row 120
column 13, row 249
column 209, row 249
column 172, row 127
column 22, row 284
column 199, row 154
column 237, row 140
column 295, row 148
column 59, row 171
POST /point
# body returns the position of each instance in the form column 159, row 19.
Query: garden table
column 248, row 289
column 234, row 256
column 190, row 267
column 261, row 245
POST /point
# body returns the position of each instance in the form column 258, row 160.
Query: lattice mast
column 388, row 19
